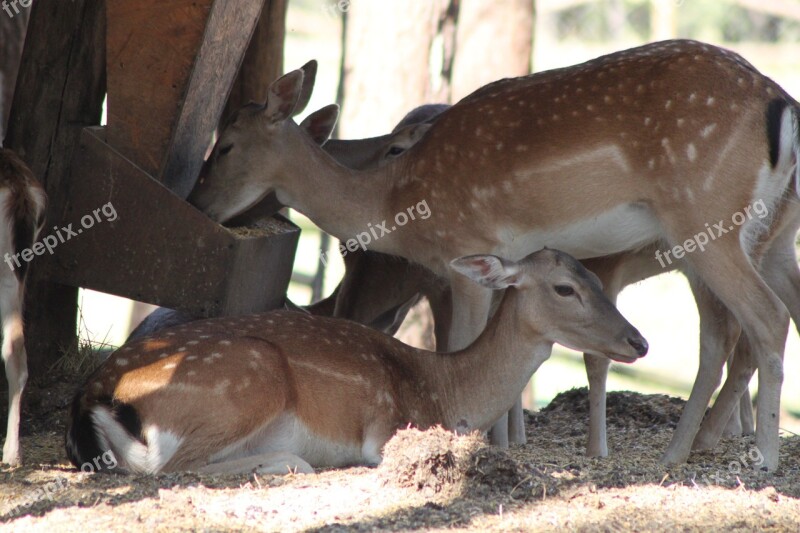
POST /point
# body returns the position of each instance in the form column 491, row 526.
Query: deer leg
column 781, row 272
column 740, row 373
column 277, row 463
column 719, row 332
column 765, row 320
column 516, row 424
column 597, row 374
column 15, row 360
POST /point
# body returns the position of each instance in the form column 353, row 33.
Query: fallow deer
column 645, row 147
column 284, row 390
column 359, row 154
column 22, row 208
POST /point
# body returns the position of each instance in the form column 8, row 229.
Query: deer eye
column 225, row 149
column 395, row 150
column 564, row 290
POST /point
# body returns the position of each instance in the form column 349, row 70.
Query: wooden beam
column 12, row 37
column 263, row 62
column 60, row 90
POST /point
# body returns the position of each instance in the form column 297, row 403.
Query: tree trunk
column 494, row 40
column 387, row 58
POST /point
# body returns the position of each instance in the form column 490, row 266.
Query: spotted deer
column 644, row 147
column 358, row 154
column 22, row 207
column 288, row 390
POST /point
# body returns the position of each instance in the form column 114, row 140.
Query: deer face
column 558, row 299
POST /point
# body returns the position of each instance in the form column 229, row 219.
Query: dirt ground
column 428, row 481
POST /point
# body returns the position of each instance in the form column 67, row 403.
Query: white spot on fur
column 708, row 130
column 691, row 152
column 120, row 361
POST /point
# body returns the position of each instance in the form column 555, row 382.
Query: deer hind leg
column 277, row 463
column 781, row 272
column 15, row 360
column 727, row 271
column 740, row 372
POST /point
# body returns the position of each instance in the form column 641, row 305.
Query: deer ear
column 319, row 124
column 309, row 77
column 283, row 95
column 488, row 270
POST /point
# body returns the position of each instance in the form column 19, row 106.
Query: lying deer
column 285, row 390
column 22, row 202
column 645, row 147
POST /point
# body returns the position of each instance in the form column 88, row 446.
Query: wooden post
column 12, row 37
column 263, row 62
column 60, row 90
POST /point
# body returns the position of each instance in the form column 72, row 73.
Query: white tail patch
column 132, row 454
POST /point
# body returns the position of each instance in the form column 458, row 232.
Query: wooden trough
column 169, row 68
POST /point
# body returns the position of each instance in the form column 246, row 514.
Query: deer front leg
column 597, row 374
column 277, row 463
column 16, row 365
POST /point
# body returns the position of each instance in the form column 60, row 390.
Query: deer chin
column 618, row 357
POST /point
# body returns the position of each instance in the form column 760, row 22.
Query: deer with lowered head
column 22, row 209
column 645, row 147
column 284, row 390
column 360, row 154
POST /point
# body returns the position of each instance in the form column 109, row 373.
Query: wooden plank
column 263, row 62
column 152, row 47
column 12, row 37
column 131, row 236
column 60, row 89
column 228, row 31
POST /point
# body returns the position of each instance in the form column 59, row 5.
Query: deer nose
column 639, row 344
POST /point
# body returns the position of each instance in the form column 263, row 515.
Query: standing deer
column 281, row 389
column 22, row 208
column 359, row 154
column 644, row 147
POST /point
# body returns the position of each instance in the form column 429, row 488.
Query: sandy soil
column 428, row 481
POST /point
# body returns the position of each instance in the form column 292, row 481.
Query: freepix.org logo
column 62, row 235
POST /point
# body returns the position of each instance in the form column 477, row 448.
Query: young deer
column 22, row 207
column 284, row 389
column 644, row 147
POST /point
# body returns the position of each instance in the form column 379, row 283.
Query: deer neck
column 341, row 201
column 476, row 385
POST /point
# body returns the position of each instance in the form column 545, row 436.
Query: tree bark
column 494, row 40
column 387, row 73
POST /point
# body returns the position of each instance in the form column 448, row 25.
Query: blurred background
column 381, row 58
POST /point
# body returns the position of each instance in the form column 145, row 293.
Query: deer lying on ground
column 22, row 205
column 285, row 390
column 644, row 147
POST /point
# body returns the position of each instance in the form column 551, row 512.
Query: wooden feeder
column 169, row 68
